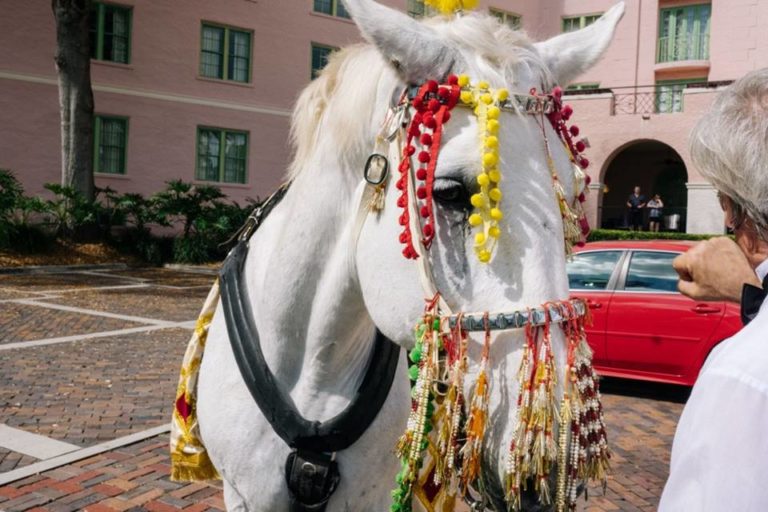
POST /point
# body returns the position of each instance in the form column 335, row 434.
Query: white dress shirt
column 720, row 452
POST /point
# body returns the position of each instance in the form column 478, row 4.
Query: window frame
column 334, row 10
column 225, row 56
column 97, row 121
column 582, row 21
column 100, row 8
column 703, row 54
column 424, row 10
column 503, row 15
column 222, row 154
column 681, row 82
column 312, row 47
column 613, row 279
column 583, row 86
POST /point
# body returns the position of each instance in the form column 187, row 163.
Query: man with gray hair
column 720, row 452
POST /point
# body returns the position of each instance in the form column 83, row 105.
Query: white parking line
column 84, row 453
column 96, row 335
column 34, row 445
column 93, row 312
column 56, row 291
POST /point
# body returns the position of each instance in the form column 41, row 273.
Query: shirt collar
column 762, row 270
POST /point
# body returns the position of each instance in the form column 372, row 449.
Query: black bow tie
column 752, row 298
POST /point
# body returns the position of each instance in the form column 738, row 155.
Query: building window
column 514, row 21
column 110, row 141
column 417, row 9
column 669, row 94
column 684, row 33
column 331, row 8
column 225, row 53
column 582, row 87
column 320, row 55
column 572, row 23
column 110, row 30
column 222, row 155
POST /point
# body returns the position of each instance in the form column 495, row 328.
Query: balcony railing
column 655, row 99
column 682, row 48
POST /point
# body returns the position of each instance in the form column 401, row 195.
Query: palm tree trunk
column 73, row 64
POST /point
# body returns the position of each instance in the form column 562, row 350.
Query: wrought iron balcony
column 686, row 48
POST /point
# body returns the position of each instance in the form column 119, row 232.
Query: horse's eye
column 451, row 193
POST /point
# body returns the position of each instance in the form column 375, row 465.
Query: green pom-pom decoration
column 415, row 354
column 436, row 324
column 413, row 372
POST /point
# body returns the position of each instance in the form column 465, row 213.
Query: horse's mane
column 348, row 84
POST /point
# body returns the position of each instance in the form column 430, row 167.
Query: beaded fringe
column 555, row 442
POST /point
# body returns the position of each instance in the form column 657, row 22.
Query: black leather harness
column 311, row 472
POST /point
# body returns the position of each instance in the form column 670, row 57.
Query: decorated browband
column 433, row 103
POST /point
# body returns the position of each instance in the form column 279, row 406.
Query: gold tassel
column 478, row 414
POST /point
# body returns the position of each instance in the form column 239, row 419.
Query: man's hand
column 715, row 269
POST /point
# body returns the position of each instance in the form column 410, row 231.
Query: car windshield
column 591, row 270
column 651, row 272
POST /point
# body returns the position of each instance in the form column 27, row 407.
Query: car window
column 651, row 271
column 591, row 270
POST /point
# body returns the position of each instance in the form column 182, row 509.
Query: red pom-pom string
column 432, row 105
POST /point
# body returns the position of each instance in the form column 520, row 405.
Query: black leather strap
column 277, row 406
column 312, row 478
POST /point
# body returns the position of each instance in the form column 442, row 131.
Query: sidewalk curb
column 59, row 269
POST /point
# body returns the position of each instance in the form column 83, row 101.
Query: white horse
column 317, row 295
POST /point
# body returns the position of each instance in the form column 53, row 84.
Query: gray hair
column 729, row 146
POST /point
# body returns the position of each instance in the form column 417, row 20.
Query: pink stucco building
column 202, row 91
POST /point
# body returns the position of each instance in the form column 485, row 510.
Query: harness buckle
column 376, row 169
column 312, row 479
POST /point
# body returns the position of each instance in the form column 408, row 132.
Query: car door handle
column 704, row 308
column 594, row 305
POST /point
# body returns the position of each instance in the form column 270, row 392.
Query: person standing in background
column 636, row 203
column 655, row 208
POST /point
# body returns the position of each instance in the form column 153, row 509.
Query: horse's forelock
column 348, row 84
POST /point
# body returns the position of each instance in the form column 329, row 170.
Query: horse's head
column 524, row 263
column 527, row 266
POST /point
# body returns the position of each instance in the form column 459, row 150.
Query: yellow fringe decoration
column 448, row 7
column 189, row 458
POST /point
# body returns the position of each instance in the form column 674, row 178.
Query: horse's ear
column 414, row 49
column 569, row 55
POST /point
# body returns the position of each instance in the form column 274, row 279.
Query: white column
column 593, row 204
column 704, row 214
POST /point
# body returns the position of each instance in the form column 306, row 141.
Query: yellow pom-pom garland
column 451, row 6
column 485, row 219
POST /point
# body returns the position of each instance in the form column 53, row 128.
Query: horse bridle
column 311, row 470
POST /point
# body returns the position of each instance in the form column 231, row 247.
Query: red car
column 643, row 328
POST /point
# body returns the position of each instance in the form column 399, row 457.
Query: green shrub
column 73, row 216
column 10, row 193
column 184, row 203
column 191, row 249
column 616, row 234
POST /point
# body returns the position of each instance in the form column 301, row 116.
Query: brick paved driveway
column 88, row 358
